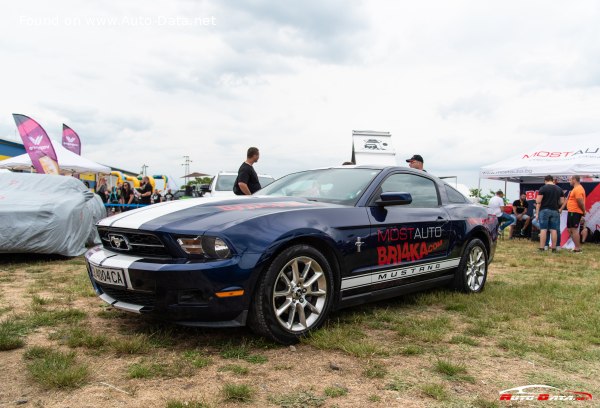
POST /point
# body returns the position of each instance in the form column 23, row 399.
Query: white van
column 222, row 184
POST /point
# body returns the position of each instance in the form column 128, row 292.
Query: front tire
column 293, row 296
column 471, row 275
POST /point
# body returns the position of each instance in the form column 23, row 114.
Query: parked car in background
column 282, row 259
column 222, row 184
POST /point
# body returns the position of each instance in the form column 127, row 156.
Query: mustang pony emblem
column 119, row 242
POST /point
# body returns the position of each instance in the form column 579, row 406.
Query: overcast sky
column 463, row 83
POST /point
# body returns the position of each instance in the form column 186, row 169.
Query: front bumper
column 179, row 290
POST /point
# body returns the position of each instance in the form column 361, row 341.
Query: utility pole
column 186, row 164
column 144, row 167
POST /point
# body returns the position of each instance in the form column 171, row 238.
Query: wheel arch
column 324, row 244
column 481, row 234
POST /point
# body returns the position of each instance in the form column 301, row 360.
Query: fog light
column 191, row 297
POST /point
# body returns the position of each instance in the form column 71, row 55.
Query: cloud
column 324, row 31
column 478, row 105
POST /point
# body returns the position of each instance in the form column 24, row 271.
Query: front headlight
column 209, row 247
column 215, row 247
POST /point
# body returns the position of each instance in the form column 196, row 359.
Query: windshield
column 225, row 182
column 339, row 186
column 265, row 181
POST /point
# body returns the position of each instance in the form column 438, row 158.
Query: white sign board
column 370, row 147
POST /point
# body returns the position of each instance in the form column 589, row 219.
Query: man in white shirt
column 496, row 207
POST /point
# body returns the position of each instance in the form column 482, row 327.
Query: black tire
column 272, row 294
column 468, row 279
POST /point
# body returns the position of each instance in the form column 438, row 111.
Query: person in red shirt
column 576, row 210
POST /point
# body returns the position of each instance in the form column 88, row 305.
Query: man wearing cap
column 416, row 162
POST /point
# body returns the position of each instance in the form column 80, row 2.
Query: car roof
column 377, row 167
column 234, row 173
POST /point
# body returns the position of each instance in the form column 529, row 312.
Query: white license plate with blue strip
column 109, row 276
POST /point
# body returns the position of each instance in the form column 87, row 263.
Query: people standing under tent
column 496, row 206
column 548, row 201
column 576, row 210
column 520, row 207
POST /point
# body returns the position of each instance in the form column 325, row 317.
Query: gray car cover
column 47, row 214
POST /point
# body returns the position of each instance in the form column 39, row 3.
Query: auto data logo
column 543, row 393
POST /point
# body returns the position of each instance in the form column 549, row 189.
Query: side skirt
column 393, row 292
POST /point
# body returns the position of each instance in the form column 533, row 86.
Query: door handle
column 440, row 218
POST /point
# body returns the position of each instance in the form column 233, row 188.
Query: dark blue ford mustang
column 283, row 259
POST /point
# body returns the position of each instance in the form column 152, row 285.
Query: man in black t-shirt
column 156, row 197
column 145, row 191
column 169, row 196
column 247, row 182
column 549, row 199
column 520, row 207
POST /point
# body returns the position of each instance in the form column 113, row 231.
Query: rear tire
column 472, row 271
column 294, row 295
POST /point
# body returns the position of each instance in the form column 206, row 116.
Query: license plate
column 109, row 276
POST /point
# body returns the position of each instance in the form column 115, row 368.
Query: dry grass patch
column 55, row 369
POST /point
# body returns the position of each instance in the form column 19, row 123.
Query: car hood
column 200, row 214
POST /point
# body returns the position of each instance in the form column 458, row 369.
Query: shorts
column 573, row 219
column 549, row 219
column 524, row 217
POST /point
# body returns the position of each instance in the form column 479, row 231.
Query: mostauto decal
column 543, row 153
column 408, row 251
column 405, row 233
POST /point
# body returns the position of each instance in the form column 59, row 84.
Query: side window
column 423, row 190
column 455, row 196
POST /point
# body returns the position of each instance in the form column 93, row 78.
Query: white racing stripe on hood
column 135, row 219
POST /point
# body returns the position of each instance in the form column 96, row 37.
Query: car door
column 407, row 243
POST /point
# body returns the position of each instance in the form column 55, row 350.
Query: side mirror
column 394, row 198
column 205, row 188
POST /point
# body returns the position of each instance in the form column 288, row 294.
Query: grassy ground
column 537, row 322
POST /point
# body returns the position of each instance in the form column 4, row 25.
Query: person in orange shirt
column 576, row 209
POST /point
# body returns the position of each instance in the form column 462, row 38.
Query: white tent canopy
column 569, row 155
column 67, row 161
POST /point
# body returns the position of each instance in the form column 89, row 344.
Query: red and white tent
column 566, row 156
column 559, row 157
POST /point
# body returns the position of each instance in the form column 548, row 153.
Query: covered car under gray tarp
column 47, row 214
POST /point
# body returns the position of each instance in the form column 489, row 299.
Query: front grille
column 123, row 295
column 137, row 243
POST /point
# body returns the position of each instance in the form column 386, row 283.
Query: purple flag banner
column 70, row 140
column 37, row 144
